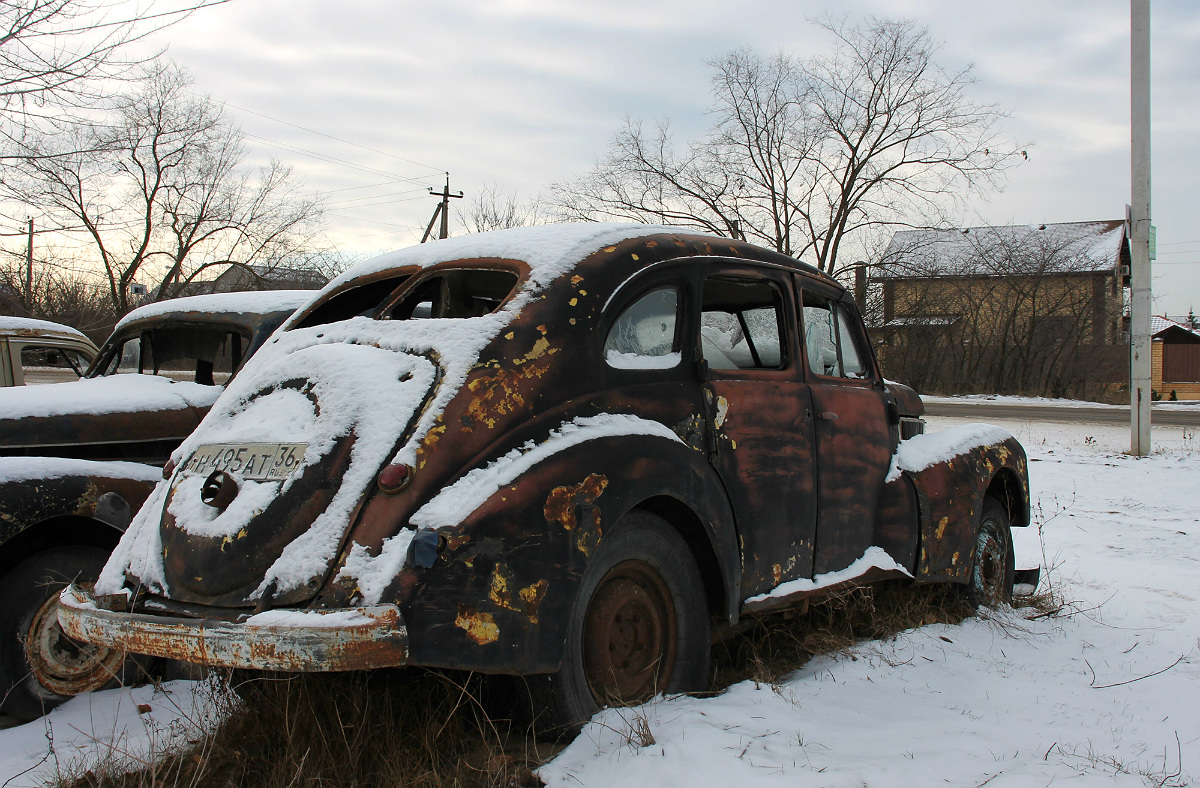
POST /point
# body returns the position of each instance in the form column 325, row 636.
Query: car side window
column 820, row 338
column 645, row 335
column 852, row 364
column 51, row 364
column 829, row 341
column 740, row 322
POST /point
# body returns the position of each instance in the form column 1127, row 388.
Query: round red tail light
column 394, row 478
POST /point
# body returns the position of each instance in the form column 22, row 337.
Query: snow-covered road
column 1106, row 696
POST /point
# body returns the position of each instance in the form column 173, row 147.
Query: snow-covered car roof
column 257, row 302
column 27, row 326
column 549, row 250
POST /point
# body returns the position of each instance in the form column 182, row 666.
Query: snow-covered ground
column 1107, row 695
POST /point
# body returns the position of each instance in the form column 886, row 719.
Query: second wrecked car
column 601, row 442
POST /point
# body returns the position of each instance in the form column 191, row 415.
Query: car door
column 759, row 419
column 853, row 442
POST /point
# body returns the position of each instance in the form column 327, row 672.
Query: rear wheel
column 639, row 626
column 992, row 562
column 40, row 667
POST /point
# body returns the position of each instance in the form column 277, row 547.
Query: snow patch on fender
column 921, row 451
column 373, row 573
column 873, row 558
column 36, row 469
column 112, row 394
column 455, row 503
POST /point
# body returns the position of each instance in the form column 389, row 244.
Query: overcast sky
column 521, row 93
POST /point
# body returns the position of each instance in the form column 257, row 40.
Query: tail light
column 394, row 478
column 168, row 469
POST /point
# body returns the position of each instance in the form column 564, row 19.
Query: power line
column 334, row 160
column 332, row 137
column 380, row 197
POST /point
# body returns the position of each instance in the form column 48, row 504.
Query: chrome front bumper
column 358, row 638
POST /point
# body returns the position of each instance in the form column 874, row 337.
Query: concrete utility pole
column 1140, row 229
column 29, row 270
column 442, row 210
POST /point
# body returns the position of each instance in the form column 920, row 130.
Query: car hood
column 101, row 410
column 358, row 394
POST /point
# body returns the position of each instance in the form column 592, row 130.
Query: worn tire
column 639, row 626
column 40, row 667
column 992, row 563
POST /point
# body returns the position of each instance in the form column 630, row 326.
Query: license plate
column 253, row 461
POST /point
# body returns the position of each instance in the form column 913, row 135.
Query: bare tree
column 161, row 191
column 493, row 208
column 804, row 155
column 57, row 54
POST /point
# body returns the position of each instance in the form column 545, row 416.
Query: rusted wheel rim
column 629, row 635
column 991, row 568
column 63, row 665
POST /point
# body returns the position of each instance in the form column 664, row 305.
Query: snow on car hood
column 369, row 376
column 113, row 394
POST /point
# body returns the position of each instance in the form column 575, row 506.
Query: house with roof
column 1174, row 359
column 1023, row 309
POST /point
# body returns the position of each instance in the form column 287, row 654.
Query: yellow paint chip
column 574, row 302
column 480, row 627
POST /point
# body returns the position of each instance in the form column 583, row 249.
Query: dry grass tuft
column 439, row 728
column 387, row 728
column 777, row 644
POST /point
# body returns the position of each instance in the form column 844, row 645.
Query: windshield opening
column 208, row 356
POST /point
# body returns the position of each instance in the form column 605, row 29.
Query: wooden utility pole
column 442, row 210
column 29, row 270
column 1140, row 230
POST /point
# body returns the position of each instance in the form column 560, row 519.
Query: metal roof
column 1065, row 248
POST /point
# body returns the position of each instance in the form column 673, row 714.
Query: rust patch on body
column 480, row 627
column 500, row 592
column 531, row 599
column 574, row 508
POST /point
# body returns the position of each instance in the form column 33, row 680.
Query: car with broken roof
column 61, row 514
column 569, row 452
column 41, row 351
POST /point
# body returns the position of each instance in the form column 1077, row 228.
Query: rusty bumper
column 291, row 640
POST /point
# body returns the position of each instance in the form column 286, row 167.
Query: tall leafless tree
column 805, row 154
column 61, row 55
column 161, row 194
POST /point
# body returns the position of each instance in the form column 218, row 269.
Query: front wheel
column 992, row 562
column 639, row 626
column 40, row 667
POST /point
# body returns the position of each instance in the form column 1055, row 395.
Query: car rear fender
column 497, row 596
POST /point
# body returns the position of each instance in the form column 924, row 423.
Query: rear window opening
column 363, row 300
column 455, row 294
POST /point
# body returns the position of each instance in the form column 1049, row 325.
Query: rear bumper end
column 304, row 641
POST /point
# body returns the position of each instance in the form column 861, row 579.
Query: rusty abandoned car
column 40, row 351
column 60, row 516
column 568, row 452
column 151, row 383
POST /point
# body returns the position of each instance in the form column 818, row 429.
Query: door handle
column 828, row 415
